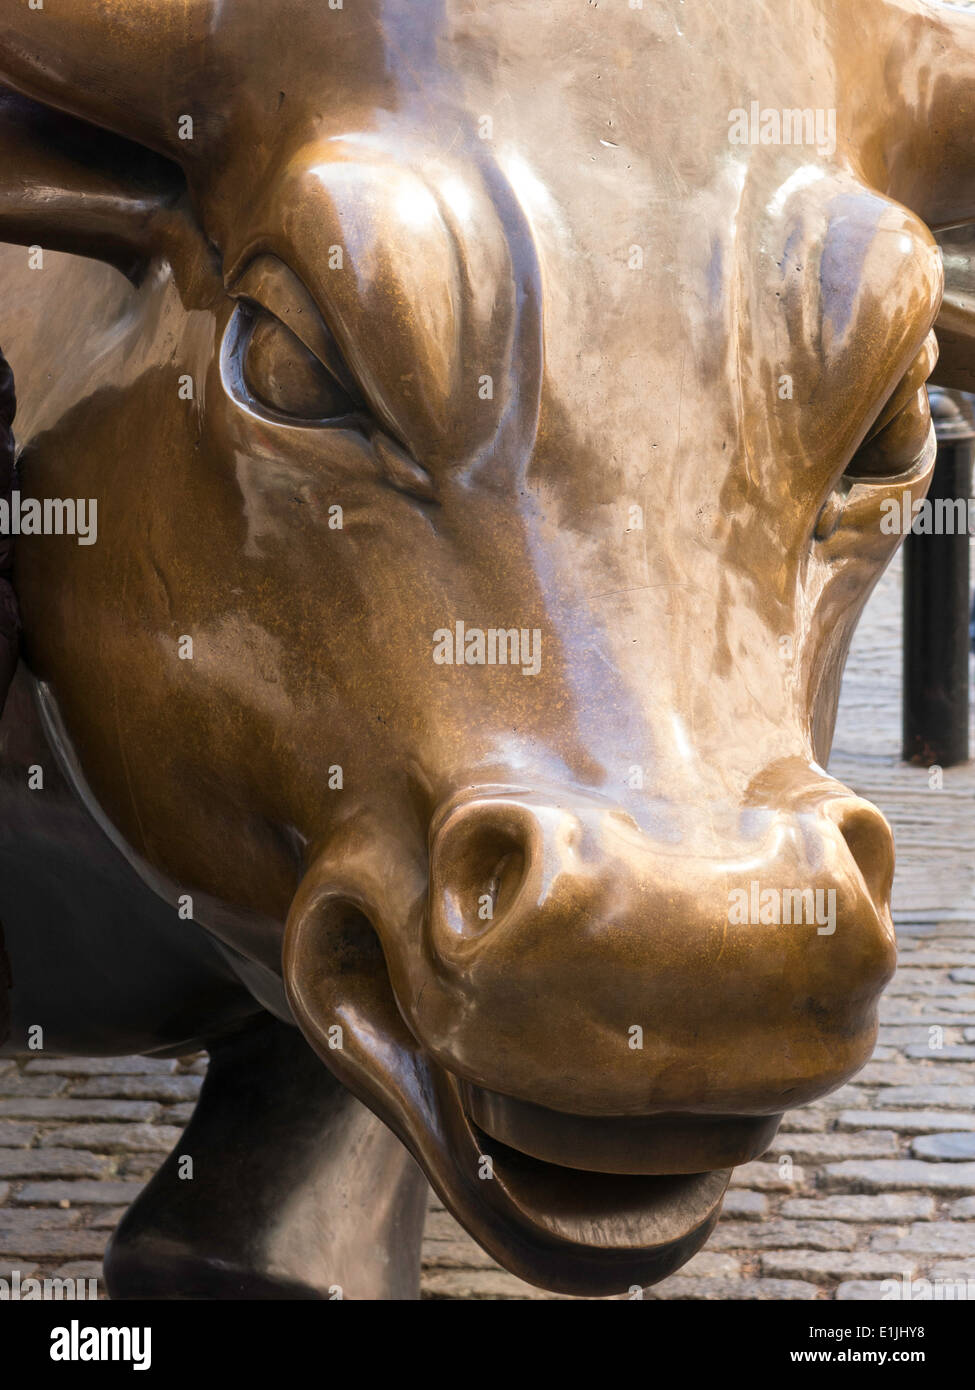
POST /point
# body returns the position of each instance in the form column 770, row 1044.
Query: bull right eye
column 900, row 433
column 279, row 376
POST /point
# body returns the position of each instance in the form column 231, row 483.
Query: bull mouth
column 581, row 1219
column 560, row 1223
column 624, row 1145
column 661, row 1217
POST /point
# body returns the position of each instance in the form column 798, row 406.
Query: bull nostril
column 344, row 931
column 479, row 866
column 869, row 840
column 356, row 946
column 485, row 877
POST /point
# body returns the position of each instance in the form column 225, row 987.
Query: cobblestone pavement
column 875, row 1182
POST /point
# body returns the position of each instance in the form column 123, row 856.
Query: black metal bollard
column 936, row 601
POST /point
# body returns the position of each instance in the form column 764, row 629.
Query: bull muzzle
column 575, row 961
column 586, row 1020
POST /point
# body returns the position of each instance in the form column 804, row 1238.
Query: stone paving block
column 957, row 1271
column 79, row 1193
column 57, row 1245
column 916, row 1073
column 954, row 956
column 51, row 1163
column 898, row 1035
column 742, row 1205
column 895, row 1011
column 965, row 975
column 765, row 1290
column 107, row 1218
column 481, row 1284
column 861, row 1291
column 14, row 1221
column 900, row 1174
column 141, row 1165
column 114, row 1138
column 911, row 975
column 927, row 1097
column 440, row 1225
column 821, row 1148
column 821, row 1266
column 951, row 1052
column 16, row 1136
column 846, row 1098
column 15, row 1084
column 922, row 990
column 783, row 1235
column 803, row 1121
column 905, row 1121
column 68, row 1108
column 929, row 1238
column 711, row 1264
column 7, row 1268
column 767, row 1177
column 153, row 1087
column 179, row 1114
column 459, row 1253
column 945, row 1148
column 100, row 1066
column 4, row 1192
column 963, row 1209
column 886, row 1208
column 897, row 1073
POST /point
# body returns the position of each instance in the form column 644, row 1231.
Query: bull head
column 493, row 289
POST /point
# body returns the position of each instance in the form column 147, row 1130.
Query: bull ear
column 130, row 66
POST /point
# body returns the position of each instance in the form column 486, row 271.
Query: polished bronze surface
column 490, row 430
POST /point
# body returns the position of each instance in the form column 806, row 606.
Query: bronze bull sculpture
column 488, row 412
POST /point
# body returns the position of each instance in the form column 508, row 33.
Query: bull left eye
column 283, row 378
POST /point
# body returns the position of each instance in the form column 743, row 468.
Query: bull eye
column 279, row 376
column 899, row 437
column 898, row 447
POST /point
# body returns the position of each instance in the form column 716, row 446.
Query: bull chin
column 570, row 1229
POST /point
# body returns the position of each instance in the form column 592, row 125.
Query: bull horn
column 130, row 66
column 105, row 203
column 67, row 186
